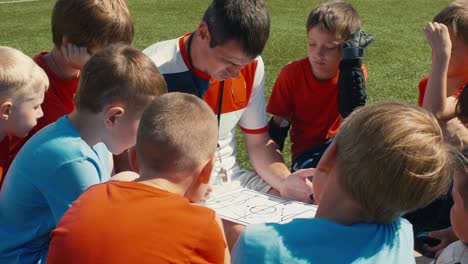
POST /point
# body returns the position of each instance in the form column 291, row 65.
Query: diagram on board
column 246, row 206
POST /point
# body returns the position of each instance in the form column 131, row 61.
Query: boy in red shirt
column 154, row 219
column 79, row 29
column 313, row 93
column 22, row 88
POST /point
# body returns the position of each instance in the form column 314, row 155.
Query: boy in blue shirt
column 68, row 156
column 387, row 159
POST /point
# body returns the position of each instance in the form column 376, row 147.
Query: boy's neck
column 58, row 65
column 161, row 182
column 88, row 126
column 335, row 205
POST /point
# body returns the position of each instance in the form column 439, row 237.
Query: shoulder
column 166, row 55
column 457, row 252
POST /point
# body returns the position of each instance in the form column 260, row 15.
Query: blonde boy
column 174, row 157
column 22, row 88
column 457, row 252
column 79, row 29
column 68, row 156
column 387, row 159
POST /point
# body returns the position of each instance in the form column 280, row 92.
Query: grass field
column 396, row 62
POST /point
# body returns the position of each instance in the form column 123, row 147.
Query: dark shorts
column 310, row 157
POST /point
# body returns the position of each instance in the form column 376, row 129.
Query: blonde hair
column 336, row 17
column 177, row 132
column 20, row 76
column 92, row 23
column 392, row 159
column 455, row 17
column 118, row 73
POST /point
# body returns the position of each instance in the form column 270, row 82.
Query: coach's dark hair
column 244, row 21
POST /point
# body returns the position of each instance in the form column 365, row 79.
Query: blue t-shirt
column 322, row 241
column 52, row 169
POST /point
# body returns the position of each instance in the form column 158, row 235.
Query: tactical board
column 246, row 206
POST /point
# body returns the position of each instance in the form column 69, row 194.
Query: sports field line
column 16, row 1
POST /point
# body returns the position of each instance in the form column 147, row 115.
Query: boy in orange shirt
column 79, row 29
column 174, row 157
column 313, row 93
column 22, row 88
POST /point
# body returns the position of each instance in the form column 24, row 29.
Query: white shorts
column 240, row 177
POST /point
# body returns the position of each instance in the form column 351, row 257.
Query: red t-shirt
column 422, row 89
column 4, row 146
column 128, row 222
column 311, row 105
column 58, row 101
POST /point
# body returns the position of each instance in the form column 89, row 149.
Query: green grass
column 395, row 63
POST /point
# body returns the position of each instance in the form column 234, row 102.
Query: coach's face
column 221, row 62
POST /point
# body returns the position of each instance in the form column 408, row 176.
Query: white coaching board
column 245, row 206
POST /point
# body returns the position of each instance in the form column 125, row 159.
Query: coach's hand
column 297, row 186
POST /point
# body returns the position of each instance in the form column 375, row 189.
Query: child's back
column 387, row 159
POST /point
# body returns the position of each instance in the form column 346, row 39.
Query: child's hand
column 446, row 236
column 456, row 132
column 353, row 47
column 75, row 56
column 438, row 38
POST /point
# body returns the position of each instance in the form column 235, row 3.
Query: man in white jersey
column 220, row 62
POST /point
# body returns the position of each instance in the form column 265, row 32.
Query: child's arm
column 435, row 97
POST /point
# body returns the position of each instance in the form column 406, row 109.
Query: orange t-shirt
column 128, row 222
column 310, row 105
column 422, row 89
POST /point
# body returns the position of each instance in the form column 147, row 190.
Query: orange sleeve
column 212, row 244
column 280, row 103
column 422, row 89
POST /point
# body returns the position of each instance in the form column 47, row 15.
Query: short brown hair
column 118, row 73
column 177, row 132
column 455, row 17
column 244, row 21
column 336, row 17
column 92, row 23
column 20, row 76
column 392, row 159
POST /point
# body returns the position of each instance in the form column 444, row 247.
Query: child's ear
column 327, row 161
column 132, row 157
column 205, row 173
column 112, row 115
column 5, row 110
